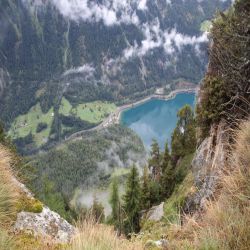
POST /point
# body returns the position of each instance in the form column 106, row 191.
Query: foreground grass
column 93, row 236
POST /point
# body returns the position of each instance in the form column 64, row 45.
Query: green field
column 25, row 124
column 93, row 112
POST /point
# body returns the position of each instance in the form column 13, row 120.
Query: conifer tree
column 166, row 158
column 168, row 181
column 114, row 201
column 132, row 199
column 145, row 190
column 155, row 160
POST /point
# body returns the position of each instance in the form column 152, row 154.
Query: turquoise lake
column 156, row 119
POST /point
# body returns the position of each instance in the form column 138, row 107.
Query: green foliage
column 41, row 126
column 131, row 200
column 145, row 190
column 29, row 205
column 211, row 109
column 54, row 200
column 82, row 163
column 184, row 137
column 115, row 201
column 155, row 161
column 175, row 202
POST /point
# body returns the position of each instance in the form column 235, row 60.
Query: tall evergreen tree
column 114, row 201
column 168, row 181
column 132, row 199
column 155, row 160
column 168, row 174
column 145, row 190
column 166, row 158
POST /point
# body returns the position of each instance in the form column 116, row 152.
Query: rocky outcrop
column 207, row 166
column 155, row 213
column 47, row 224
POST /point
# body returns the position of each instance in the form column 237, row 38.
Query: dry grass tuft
column 8, row 192
column 94, row 236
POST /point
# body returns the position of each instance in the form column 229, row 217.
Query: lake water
column 156, row 119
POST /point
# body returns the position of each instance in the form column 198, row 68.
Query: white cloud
column 111, row 12
column 142, row 5
column 86, row 69
column 168, row 39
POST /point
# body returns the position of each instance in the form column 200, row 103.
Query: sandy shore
column 115, row 117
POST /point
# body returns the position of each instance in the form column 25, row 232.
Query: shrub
column 29, row 205
column 41, row 126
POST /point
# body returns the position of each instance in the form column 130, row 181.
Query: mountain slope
column 109, row 50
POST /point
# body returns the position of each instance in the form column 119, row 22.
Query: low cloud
column 85, row 69
column 110, row 12
column 171, row 40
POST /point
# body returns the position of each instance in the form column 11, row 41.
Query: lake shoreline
column 115, row 117
column 164, row 97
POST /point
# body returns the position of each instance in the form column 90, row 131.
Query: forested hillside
column 87, row 163
column 109, row 50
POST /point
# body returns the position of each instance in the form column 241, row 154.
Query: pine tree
column 155, row 160
column 132, row 199
column 168, row 174
column 166, row 158
column 145, row 190
column 114, row 201
column 168, row 181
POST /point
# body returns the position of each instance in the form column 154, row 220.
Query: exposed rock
column 47, row 224
column 156, row 213
column 207, row 166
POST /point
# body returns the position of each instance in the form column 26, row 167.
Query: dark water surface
column 156, row 118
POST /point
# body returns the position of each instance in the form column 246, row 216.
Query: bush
column 41, row 126
column 29, row 205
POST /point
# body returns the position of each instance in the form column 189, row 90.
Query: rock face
column 46, row 224
column 156, row 213
column 207, row 166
